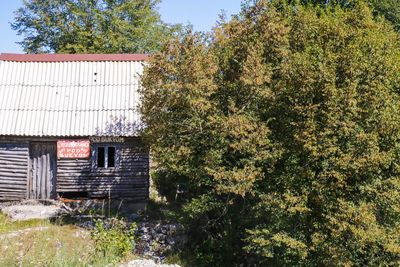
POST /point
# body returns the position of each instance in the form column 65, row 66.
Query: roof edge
column 72, row 57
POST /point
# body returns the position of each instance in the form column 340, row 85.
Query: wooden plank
column 35, row 172
column 7, row 188
column 11, row 174
column 53, row 184
column 17, row 154
column 77, row 177
column 17, row 164
column 13, row 169
column 103, row 179
column 13, row 181
column 121, row 187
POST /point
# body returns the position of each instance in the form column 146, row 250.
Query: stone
column 133, row 216
column 155, row 239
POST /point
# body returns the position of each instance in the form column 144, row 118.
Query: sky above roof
column 201, row 14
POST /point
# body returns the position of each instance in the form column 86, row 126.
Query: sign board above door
column 73, row 149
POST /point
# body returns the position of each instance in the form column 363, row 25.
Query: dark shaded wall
column 14, row 158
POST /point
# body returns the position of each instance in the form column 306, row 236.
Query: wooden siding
column 130, row 180
column 43, row 157
column 14, row 160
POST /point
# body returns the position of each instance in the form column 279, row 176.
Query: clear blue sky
column 202, row 14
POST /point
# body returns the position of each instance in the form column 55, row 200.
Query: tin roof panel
column 69, row 98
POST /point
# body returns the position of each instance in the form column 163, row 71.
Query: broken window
column 106, row 157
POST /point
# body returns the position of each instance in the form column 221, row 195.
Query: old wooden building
column 69, row 127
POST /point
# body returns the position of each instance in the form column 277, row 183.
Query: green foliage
column 114, row 239
column 389, row 9
column 91, row 26
column 283, row 126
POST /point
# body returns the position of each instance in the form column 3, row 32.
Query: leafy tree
column 389, row 9
column 283, row 127
column 91, row 26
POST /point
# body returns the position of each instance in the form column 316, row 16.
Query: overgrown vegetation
column 115, row 239
column 282, row 128
column 43, row 243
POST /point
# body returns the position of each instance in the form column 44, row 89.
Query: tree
column 389, row 9
column 91, row 26
column 283, row 127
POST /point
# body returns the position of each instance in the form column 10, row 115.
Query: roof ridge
column 72, row 57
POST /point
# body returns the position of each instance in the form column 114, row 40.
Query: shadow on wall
column 130, row 181
column 119, row 126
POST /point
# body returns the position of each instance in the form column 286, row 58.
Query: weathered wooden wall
column 14, row 159
column 129, row 181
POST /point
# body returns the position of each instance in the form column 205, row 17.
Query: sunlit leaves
column 91, row 26
column 287, row 121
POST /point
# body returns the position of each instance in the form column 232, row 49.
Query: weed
column 113, row 239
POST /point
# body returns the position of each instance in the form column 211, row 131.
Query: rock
column 146, row 263
column 133, row 216
column 155, row 239
column 146, row 237
column 27, row 210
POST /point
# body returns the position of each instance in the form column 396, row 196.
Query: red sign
column 73, row 149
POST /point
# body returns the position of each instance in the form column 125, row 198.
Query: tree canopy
column 91, row 26
column 389, row 9
column 283, row 128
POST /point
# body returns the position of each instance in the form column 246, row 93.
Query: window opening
column 101, row 157
column 106, row 157
column 111, row 157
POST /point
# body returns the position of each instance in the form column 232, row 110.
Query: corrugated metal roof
column 69, row 98
column 72, row 57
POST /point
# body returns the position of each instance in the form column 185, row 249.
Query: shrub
column 283, row 126
column 113, row 239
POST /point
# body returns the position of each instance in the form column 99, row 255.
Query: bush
column 113, row 239
column 283, row 125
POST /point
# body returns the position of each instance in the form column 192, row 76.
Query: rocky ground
column 146, row 263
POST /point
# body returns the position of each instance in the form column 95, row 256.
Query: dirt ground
column 33, row 209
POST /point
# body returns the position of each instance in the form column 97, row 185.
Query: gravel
column 146, row 263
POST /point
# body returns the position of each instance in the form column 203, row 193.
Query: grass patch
column 7, row 226
column 51, row 244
